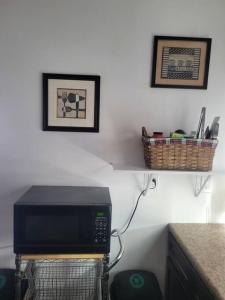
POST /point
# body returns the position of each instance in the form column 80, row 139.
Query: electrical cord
column 118, row 233
column 120, row 254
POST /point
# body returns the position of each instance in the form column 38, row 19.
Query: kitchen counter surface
column 204, row 245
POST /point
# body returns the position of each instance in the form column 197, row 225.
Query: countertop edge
column 206, row 280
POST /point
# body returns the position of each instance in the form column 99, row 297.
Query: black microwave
column 63, row 220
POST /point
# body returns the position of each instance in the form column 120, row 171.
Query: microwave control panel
column 101, row 229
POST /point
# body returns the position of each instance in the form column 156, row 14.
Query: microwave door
column 53, row 229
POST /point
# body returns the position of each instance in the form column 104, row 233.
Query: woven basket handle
column 144, row 132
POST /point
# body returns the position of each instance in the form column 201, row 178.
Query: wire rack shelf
column 63, row 279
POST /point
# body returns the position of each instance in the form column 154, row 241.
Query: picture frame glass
column 181, row 62
column 71, row 102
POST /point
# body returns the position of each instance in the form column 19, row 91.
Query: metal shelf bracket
column 200, row 183
column 201, row 178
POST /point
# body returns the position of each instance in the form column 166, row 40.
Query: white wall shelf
column 201, row 177
column 135, row 169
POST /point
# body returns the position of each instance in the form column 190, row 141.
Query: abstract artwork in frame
column 71, row 102
column 181, row 62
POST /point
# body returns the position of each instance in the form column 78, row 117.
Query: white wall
column 112, row 39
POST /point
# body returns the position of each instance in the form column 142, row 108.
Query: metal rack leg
column 105, row 293
column 18, row 278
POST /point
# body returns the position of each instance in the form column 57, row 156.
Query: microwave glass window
column 48, row 229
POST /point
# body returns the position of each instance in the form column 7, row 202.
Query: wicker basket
column 178, row 154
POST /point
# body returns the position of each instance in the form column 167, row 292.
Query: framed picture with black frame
column 180, row 62
column 71, row 102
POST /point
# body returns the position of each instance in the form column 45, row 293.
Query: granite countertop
column 204, row 244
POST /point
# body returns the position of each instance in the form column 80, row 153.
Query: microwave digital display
column 100, row 214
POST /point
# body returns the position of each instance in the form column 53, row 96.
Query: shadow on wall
column 145, row 249
column 125, row 148
column 7, row 258
column 218, row 199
